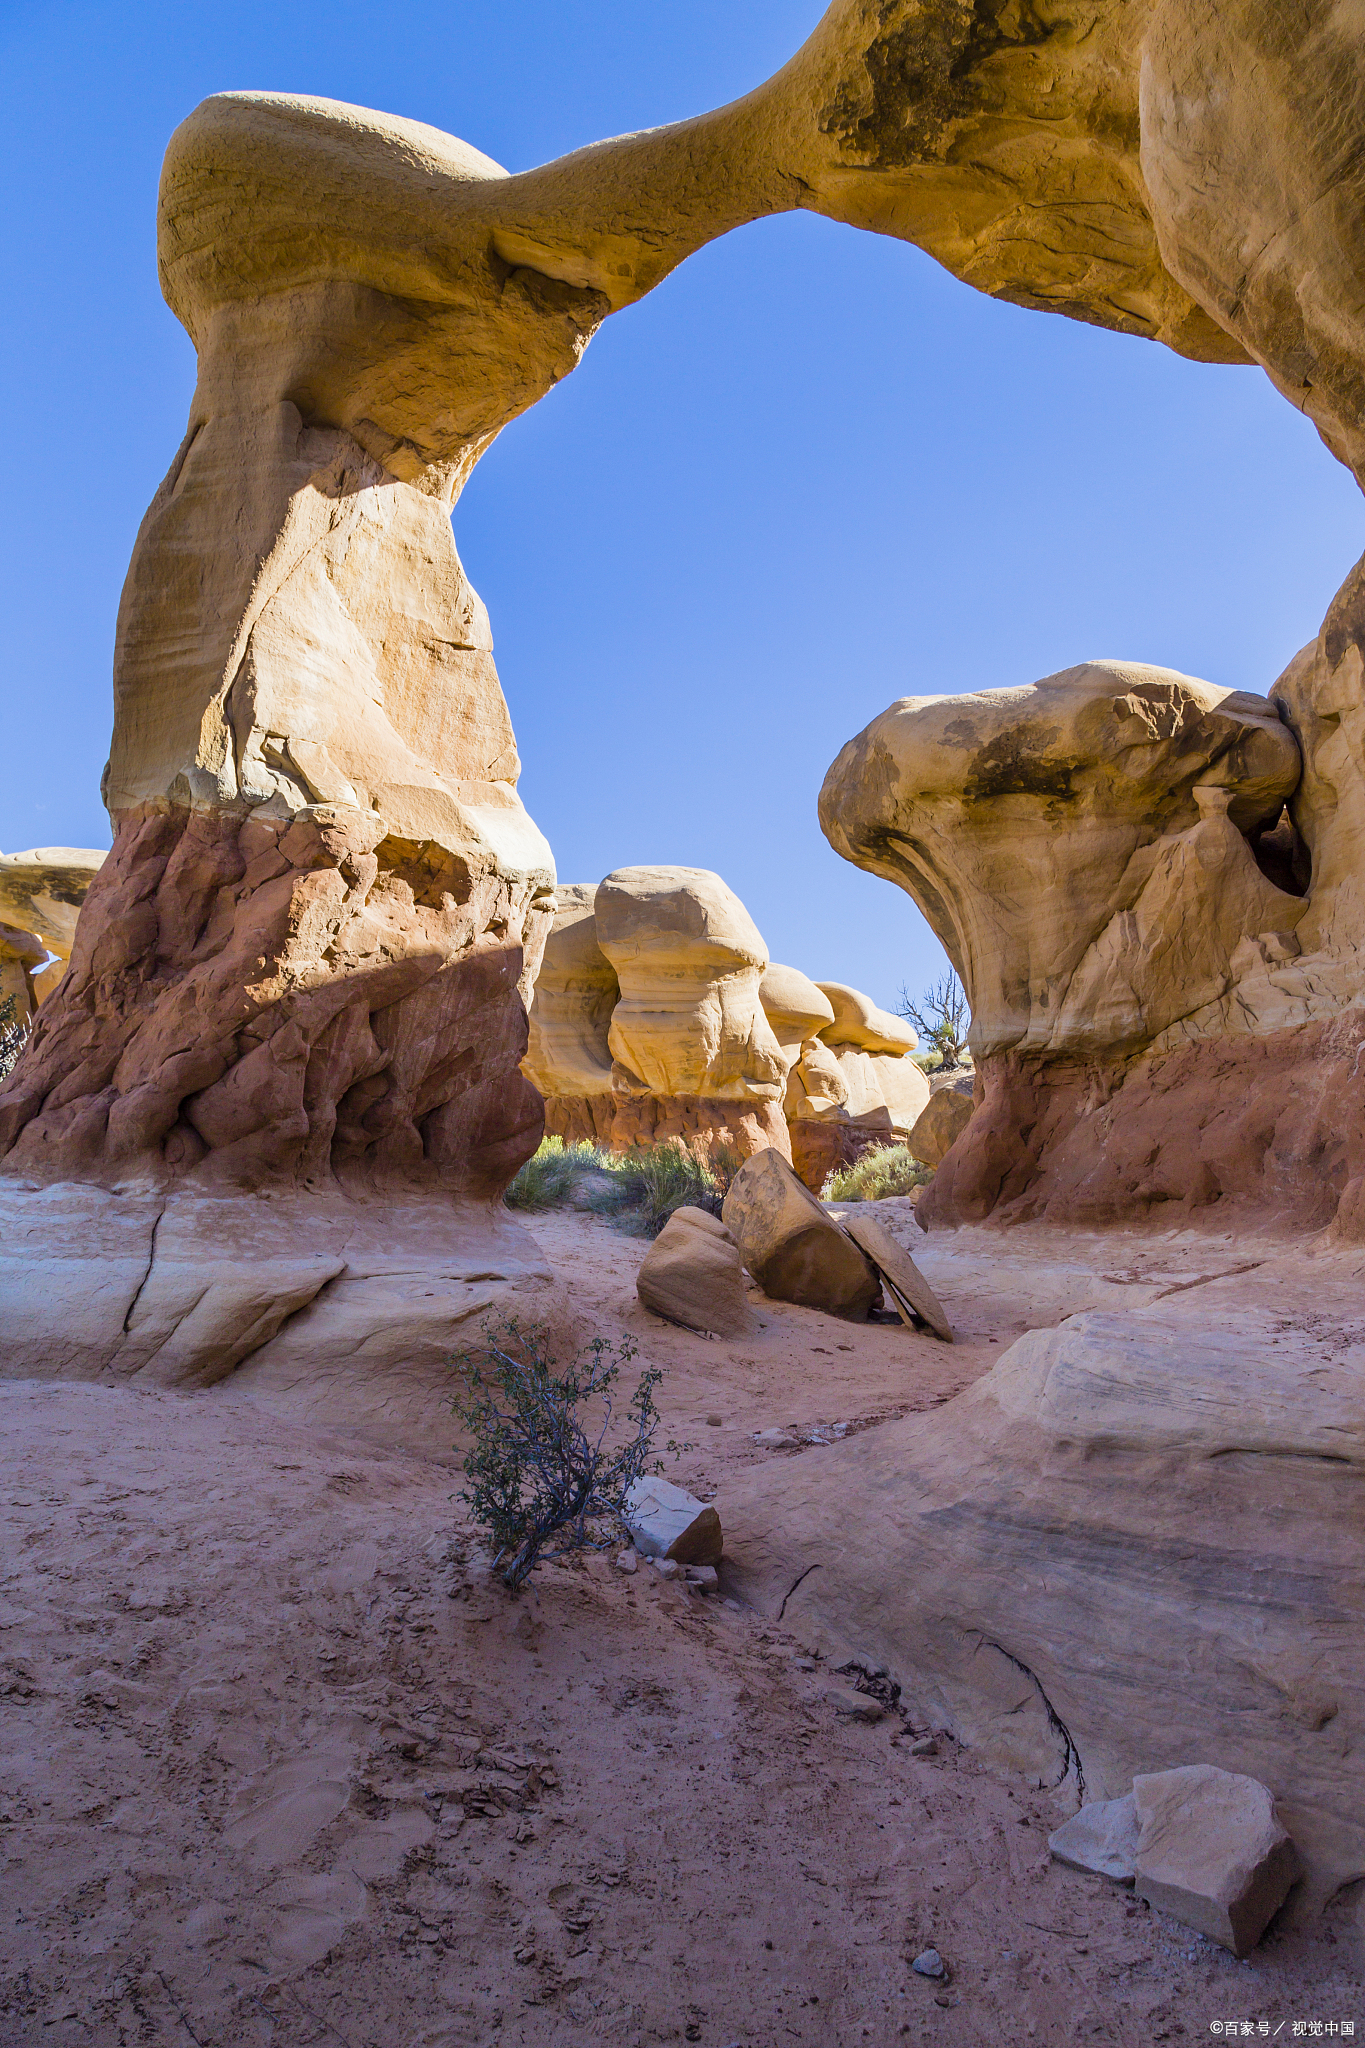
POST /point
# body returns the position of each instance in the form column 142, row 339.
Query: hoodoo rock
column 853, row 1086
column 576, row 990
column 690, row 961
column 795, row 1008
column 652, row 1026
column 1107, row 856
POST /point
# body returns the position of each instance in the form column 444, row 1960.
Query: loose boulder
column 693, row 1274
column 939, row 1125
column 1212, row 1853
column 667, row 1522
column 792, row 1247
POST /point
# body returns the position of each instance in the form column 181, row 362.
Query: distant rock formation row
column 658, row 1014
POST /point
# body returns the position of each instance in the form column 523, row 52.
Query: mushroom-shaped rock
column 693, row 1274
column 857, row 1021
column 791, row 1246
column 43, row 889
column 794, row 1006
column 690, row 960
column 1081, row 847
column 576, row 991
column 884, row 1090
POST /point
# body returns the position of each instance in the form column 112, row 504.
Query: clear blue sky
column 810, row 474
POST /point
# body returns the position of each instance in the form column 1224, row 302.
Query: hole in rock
column 1281, row 853
column 430, row 871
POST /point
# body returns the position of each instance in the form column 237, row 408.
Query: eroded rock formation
column 1132, row 1544
column 647, row 1022
column 291, row 1030
column 657, row 1015
column 304, row 964
column 853, row 1087
column 41, row 893
column 1122, row 864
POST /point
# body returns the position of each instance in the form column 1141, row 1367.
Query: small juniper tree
column 535, row 1474
column 941, row 1017
column 13, row 1036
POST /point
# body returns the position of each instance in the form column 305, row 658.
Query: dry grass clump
column 639, row 1191
column 550, row 1177
column 886, row 1170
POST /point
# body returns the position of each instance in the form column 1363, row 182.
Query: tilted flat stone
column 909, row 1289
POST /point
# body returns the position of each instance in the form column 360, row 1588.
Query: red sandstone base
column 305, row 1004
column 1274, row 1124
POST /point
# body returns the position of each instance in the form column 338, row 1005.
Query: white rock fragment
column 666, row 1521
column 702, row 1576
column 929, row 1963
column 1102, row 1838
column 852, row 1705
column 1212, row 1853
column 628, row 1561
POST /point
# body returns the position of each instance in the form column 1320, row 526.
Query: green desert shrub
column 639, row 1191
column 550, row 1176
column 541, row 1482
column 886, row 1170
column 655, row 1180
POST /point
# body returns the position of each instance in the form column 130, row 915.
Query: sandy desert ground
column 283, row 1765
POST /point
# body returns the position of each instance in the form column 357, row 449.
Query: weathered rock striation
column 1132, row 1543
